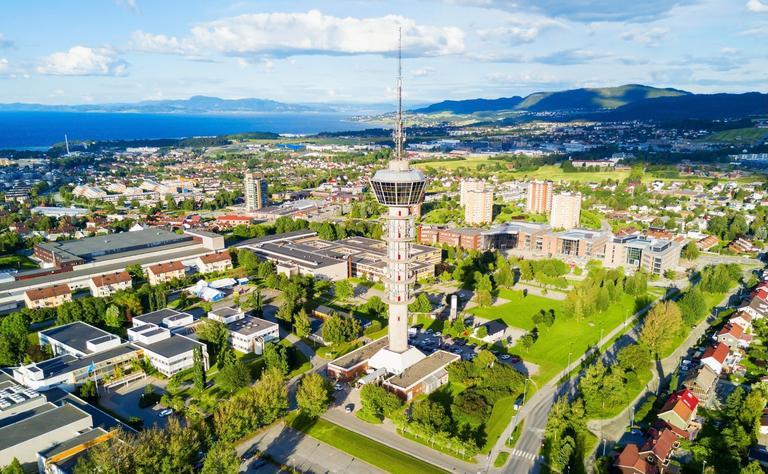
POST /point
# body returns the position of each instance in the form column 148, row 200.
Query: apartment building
column 566, row 211
column 478, row 207
column 47, row 297
column 165, row 272
column 214, row 262
column 256, row 191
column 470, row 239
column 539, row 196
column 246, row 333
column 469, row 185
column 106, row 285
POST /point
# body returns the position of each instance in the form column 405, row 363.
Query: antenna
column 66, row 142
column 399, row 134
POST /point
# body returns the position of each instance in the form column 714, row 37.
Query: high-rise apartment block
column 255, row 191
column 478, row 207
column 467, row 186
column 566, row 211
column 539, row 198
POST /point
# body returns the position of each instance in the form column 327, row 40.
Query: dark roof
column 157, row 317
column 39, row 424
column 171, row 346
column 296, row 234
column 76, row 335
column 66, row 363
column 495, row 326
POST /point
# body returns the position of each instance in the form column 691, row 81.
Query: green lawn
column 502, row 414
column 471, row 162
column 372, row 452
column 550, row 351
column 555, row 173
column 501, row 459
column 520, row 309
column 16, row 262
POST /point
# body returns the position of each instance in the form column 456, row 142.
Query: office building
column 246, row 333
column 478, row 207
column 566, row 211
column 255, row 191
column 539, row 197
column 470, row 239
column 638, row 252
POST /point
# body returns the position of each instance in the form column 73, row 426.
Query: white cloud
column 646, row 36
column 287, row 34
column 757, row 6
column 84, row 61
column 519, row 31
column 3, row 64
column 587, row 11
column 423, row 72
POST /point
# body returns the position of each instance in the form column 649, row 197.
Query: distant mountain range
column 627, row 102
column 202, row 105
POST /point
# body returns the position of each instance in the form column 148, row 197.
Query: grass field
column 16, row 262
column 502, row 414
column 359, row 446
column 738, row 135
column 550, row 352
column 520, row 309
column 501, row 459
column 471, row 163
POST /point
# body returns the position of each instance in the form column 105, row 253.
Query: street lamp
column 703, row 465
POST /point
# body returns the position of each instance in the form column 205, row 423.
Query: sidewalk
column 304, row 453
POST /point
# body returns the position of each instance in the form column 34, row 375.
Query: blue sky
column 81, row 51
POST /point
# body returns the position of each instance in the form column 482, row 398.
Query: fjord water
column 43, row 129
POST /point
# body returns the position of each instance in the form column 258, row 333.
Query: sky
column 343, row 51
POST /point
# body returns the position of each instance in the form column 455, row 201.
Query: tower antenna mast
column 399, row 132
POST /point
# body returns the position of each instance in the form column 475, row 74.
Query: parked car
column 166, row 412
column 338, row 387
column 349, row 408
column 505, row 356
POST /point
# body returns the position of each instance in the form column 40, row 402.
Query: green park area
column 361, row 447
column 739, row 135
column 567, row 335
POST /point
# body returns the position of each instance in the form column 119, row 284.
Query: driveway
column 125, row 402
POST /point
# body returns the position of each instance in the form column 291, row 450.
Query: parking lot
column 125, row 402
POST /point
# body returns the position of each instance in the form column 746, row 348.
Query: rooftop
column 157, row 317
column 39, row 424
column 360, row 355
column 250, row 325
column 423, row 369
column 67, row 363
column 48, row 292
column 76, row 335
column 172, row 346
column 113, row 243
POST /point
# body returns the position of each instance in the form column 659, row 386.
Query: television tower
column 401, row 189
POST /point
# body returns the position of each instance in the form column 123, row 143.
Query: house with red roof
column 715, row 357
column 653, row 457
column 742, row 319
column 734, row 336
column 679, row 411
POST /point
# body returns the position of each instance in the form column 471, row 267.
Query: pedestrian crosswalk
column 526, row 455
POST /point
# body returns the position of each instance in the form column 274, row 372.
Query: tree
column 113, row 317
column 431, row 415
column 421, row 304
column 87, row 391
column 634, row 357
column 482, row 331
column 215, row 334
column 221, row 459
column 661, row 325
column 690, row 251
column 483, row 290
column 485, row 358
column 337, row 330
column 378, row 402
column 301, row 324
column 234, row 376
column 198, row 369
column 248, row 261
column 13, row 338
column 276, row 357
column 343, row 290
column 313, row 395
column 13, row 468
column 752, row 468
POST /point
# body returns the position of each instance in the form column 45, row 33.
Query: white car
column 338, row 387
column 166, row 412
column 505, row 356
